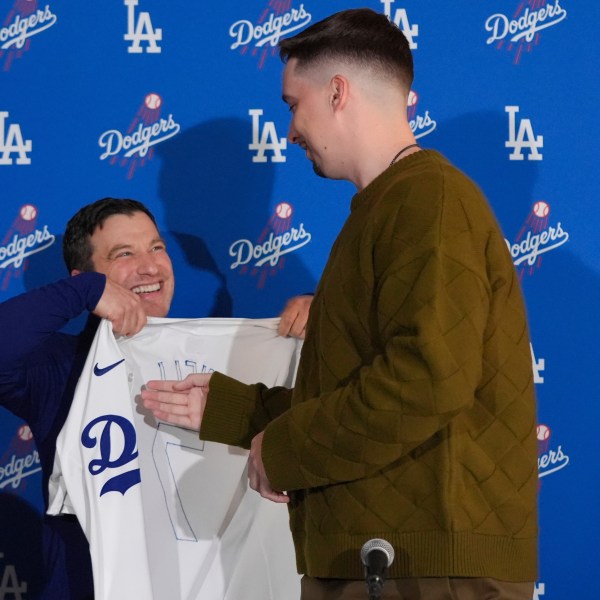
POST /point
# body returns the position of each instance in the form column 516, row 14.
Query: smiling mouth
column 146, row 289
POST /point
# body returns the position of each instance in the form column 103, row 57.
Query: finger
column 285, row 325
column 278, row 497
column 173, row 419
column 195, row 380
column 167, row 398
column 160, row 385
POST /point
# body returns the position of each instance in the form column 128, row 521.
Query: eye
column 159, row 248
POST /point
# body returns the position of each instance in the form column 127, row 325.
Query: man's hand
column 294, row 316
column 258, row 477
column 122, row 308
column 178, row 402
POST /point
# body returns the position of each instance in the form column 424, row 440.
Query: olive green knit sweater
column 413, row 415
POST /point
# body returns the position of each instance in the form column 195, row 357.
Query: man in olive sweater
column 413, row 415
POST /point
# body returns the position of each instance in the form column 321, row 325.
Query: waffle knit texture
column 413, row 415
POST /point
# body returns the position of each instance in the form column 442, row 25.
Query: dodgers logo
column 12, row 143
column 135, row 146
column 23, row 239
column 550, row 460
column 267, row 255
column 21, row 460
column 536, row 238
column 117, row 447
column 420, row 124
column 277, row 21
column 141, row 30
column 23, row 22
column 520, row 31
column 400, row 18
column 522, row 139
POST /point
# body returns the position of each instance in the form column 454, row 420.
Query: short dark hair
column 360, row 35
column 77, row 247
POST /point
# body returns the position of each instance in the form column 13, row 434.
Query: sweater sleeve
column 236, row 412
column 29, row 320
column 432, row 300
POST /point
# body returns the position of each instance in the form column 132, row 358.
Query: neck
column 377, row 157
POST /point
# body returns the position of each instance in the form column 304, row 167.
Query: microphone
column 377, row 555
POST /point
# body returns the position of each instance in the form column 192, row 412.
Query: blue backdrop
column 177, row 104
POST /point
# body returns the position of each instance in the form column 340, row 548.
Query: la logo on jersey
column 116, row 440
column 140, row 29
column 520, row 32
column 523, row 138
column 265, row 139
column 400, row 18
column 267, row 255
column 23, row 22
column 13, row 148
column 262, row 36
column 420, row 124
column 134, row 147
column 536, row 237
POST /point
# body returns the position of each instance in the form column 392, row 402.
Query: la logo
column 9, row 583
column 538, row 367
column 265, row 140
column 141, row 31
column 524, row 138
column 401, row 20
column 11, row 142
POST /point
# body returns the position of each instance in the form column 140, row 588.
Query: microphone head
column 377, row 544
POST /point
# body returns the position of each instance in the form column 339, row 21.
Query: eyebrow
column 120, row 247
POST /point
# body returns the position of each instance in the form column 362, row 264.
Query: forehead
column 123, row 229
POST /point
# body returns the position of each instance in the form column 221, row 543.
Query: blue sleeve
column 29, row 325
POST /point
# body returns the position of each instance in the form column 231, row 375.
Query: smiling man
column 121, row 271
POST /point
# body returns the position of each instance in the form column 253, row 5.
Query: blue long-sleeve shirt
column 39, row 369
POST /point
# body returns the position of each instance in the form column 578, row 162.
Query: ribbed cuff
column 228, row 409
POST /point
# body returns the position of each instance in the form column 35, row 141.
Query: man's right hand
column 180, row 403
column 122, row 308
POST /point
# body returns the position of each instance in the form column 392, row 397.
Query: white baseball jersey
column 167, row 515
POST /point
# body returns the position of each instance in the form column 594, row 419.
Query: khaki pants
column 423, row 588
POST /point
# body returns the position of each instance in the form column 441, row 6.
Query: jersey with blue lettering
column 166, row 514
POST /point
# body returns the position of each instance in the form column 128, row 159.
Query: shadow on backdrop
column 214, row 195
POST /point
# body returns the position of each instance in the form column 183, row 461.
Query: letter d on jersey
column 122, row 436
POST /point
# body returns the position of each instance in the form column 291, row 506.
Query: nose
column 292, row 135
column 147, row 264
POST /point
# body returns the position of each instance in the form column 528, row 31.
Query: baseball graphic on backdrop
column 153, row 101
column 543, row 433
column 24, row 433
column 28, row 212
column 541, row 209
column 283, row 210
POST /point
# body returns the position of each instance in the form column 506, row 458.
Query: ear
column 339, row 92
column 75, row 272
